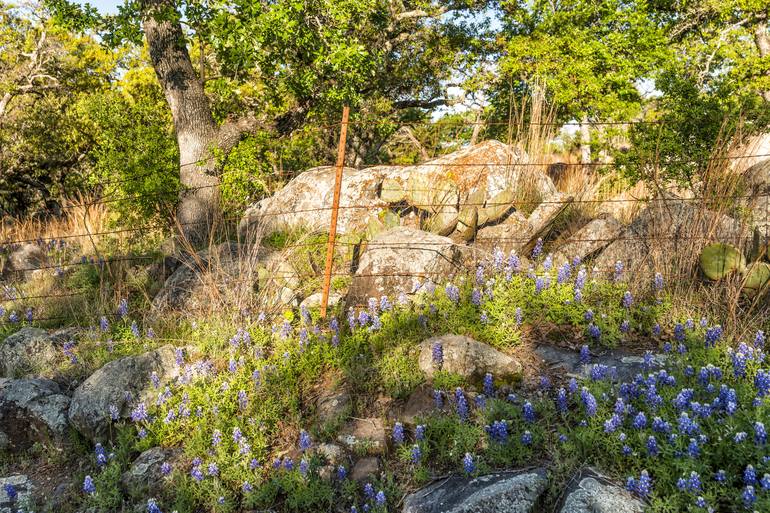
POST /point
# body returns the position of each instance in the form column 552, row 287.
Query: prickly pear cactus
column 442, row 223
column 392, row 191
column 718, row 260
column 757, row 276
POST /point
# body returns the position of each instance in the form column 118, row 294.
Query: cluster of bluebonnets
column 690, row 430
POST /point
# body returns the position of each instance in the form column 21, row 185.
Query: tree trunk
column 196, row 131
column 762, row 40
column 585, row 141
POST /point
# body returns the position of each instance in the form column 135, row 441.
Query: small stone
column 468, row 358
column 333, row 406
column 420, row 403
column 333, row 453
column 364, row 436
column 365, row 469
column 592, row 496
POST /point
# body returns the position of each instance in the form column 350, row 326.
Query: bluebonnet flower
column 618, row 270
column 760, row 434
column 416, row 454
column 762, row 383
column 628, row 300
column 656, row 330
column 759, row 340
column 67, row 349
column 139, row 414
column 594, row 332
column 453, row 293
column 419, row 432
column 528, row 412
column 626, row 450
column 498, row 431
column 577, row 296
column 613, row 423
column 288, row 464
column 152, row 506
column 342, row 473
column 589, row 401
column 713, row 335
column 462, row 404
column 585, row 354
column 437, row 354
column 123, row 308
column 749, row 497
column 88, row 485
column 526, row 438
column 489, row 385
column 642, row 486
column 135, row 330
column 398, row 433
column 304, row 466
column 693, row 449
column 476, row 297
column 580, row 280
column 658, row 282
column 481, row 401
column 468, row 465
column 166, row 468
column 720, row 476
column 625, row 326
column 304, row 440
column 572, row 386
column 379, row 499
column 679, row 332
column 518, row 315
column 369, row 491
column 538, row 249
column 13, row 317
column 514, row 262
column 563, row 274
column 562, row 438
column 548, row 262
column 243, row 399
column 539, row 285
column 545, row 383
column 765, row 482
column 640, row 421
column 101, row 455
column 561, row 400
column 652, row 446
column 589, row 315
column 254, row 464
column 749, row 475
column 599, row 371
column 104, row 324
column 10, row 491
column 438, row 399
column 740, row 437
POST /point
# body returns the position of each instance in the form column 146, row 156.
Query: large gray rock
column 28, row 351
column 145, row 476
column 503, row 492
column 593, row 494
column 31, row 410
column 669, row 235
column 622, row 365
column 468, row 358
column 594, row 236
column 24, row 490
column 26, row 257
column 305, row 202
column 398, row 260
column 123, row 383
column 546, row 213
column 228, row 274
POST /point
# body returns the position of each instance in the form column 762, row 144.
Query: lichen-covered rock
column 145, row 477
column 399, row 260
column 546, row 213
column 669, row 234
column 333, row 405
column 510, row 235
column 305, row 202
column 32, row 410
column 592, row 237
column 28, row 351
column 24, row 492
column 123, row 384
column 26, row 257
column 502, row 492
column 364, row 435
column 467, row 357
column 592, row 494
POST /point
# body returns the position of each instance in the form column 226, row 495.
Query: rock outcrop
column 502, row 492
column 591, row 238
column 31, row 410
column 29, row 351
column 399, row 260
column 467, row 357
column 595, row 494
column 121, row 384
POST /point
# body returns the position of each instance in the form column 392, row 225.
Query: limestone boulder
column 467, row 357
column 400, row 259
column 122, row 384
column 305, row 203
column 594, row 494
column 32, row 410
column 669, row 235
column 592, row 237
column 29, row 351
column 502, row 492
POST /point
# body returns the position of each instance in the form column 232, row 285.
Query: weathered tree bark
column 197, row 134
column 762, row 40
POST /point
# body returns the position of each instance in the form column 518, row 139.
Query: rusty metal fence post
column 335, row 210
